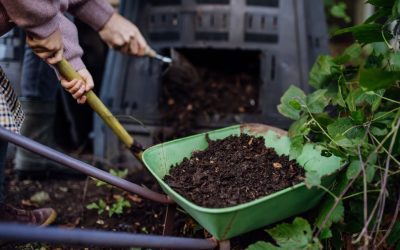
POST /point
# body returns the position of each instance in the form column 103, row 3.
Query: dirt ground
column 70, row 197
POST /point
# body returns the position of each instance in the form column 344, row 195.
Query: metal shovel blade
column 181, row 70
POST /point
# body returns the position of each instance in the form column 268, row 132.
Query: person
column 51, row 36
column 38, row 92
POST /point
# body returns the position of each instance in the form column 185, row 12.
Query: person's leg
column 39, row 86
column 39, row 81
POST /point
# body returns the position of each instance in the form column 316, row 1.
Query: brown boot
column 40, row 217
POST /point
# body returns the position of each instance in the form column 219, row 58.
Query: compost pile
column 232, row 171
column 211, row 96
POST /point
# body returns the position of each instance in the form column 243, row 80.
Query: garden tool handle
column 69, row 73
column 150, row 52
column 153, row 54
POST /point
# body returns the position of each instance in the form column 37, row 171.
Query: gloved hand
column 50, row 49
column 78, row 88
column 122, row 35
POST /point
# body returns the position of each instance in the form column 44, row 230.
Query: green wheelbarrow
column 222, row 223
column 225, row 223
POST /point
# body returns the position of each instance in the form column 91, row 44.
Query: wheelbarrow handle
column 69, row 73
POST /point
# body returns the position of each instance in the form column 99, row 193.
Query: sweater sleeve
column 72, row 51
column 36, row 17
column 95, row 13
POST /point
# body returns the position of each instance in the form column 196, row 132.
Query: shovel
column 179, row 69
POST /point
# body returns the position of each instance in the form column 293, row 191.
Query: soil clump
column 233, row 171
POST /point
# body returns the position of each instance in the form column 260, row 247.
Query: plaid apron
column 11, row 114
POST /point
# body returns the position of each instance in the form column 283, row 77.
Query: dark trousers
column 39, row 81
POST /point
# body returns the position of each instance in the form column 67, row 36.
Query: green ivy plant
column 116, row 207
column 354, row 113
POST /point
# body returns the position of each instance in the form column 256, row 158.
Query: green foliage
column 119, row 173
column 100, row 206
column 291, row 102
column 353, row 113
column 323, row 71
column 366, row 33
column 394, row 236
column 297, row 235
column 115, row 208
column 339, row 11
column 118, row 206
column 374, row 78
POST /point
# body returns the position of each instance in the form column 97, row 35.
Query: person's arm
column 41, row 24
column 118, row 32
column 73, row 53
column 38, row 18
column 95, row 13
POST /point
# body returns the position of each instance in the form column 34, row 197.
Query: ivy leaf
column 326, row 233
column 394, row 236
column 354, row 169
column 358, row 116
column 339, row 10
column 317, row 101
column 339, row 98
column 365, row 33
column 313, row 178
column 299, row 127
column 394, row 59
column 296, row 146
column 374, row 78
column 322, row 71
column 382, row 3
column 287, row 106
column 351, row 53
column 297, row 235
column 336, row 215
column 370, row 172
column 323, row 119
column 379, row 131
column 380, row 13
column 343, row 142
column 345, row 127
column 261, row 245
column 396, row 9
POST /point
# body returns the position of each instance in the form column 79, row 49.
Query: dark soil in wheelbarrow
column 232, row 171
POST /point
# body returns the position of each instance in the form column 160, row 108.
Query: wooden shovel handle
column 69, row 73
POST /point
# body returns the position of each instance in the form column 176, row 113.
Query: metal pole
column 85, row 168
column 14, row 232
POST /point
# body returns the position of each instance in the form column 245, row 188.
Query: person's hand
column 78, row 88
column 50, row 49
column 120, row 34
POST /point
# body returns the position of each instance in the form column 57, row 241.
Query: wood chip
column 277, row 165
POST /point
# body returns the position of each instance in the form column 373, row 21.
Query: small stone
column 40, row 197
column 171, row 102
column 100, row 222
column 277, row 165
